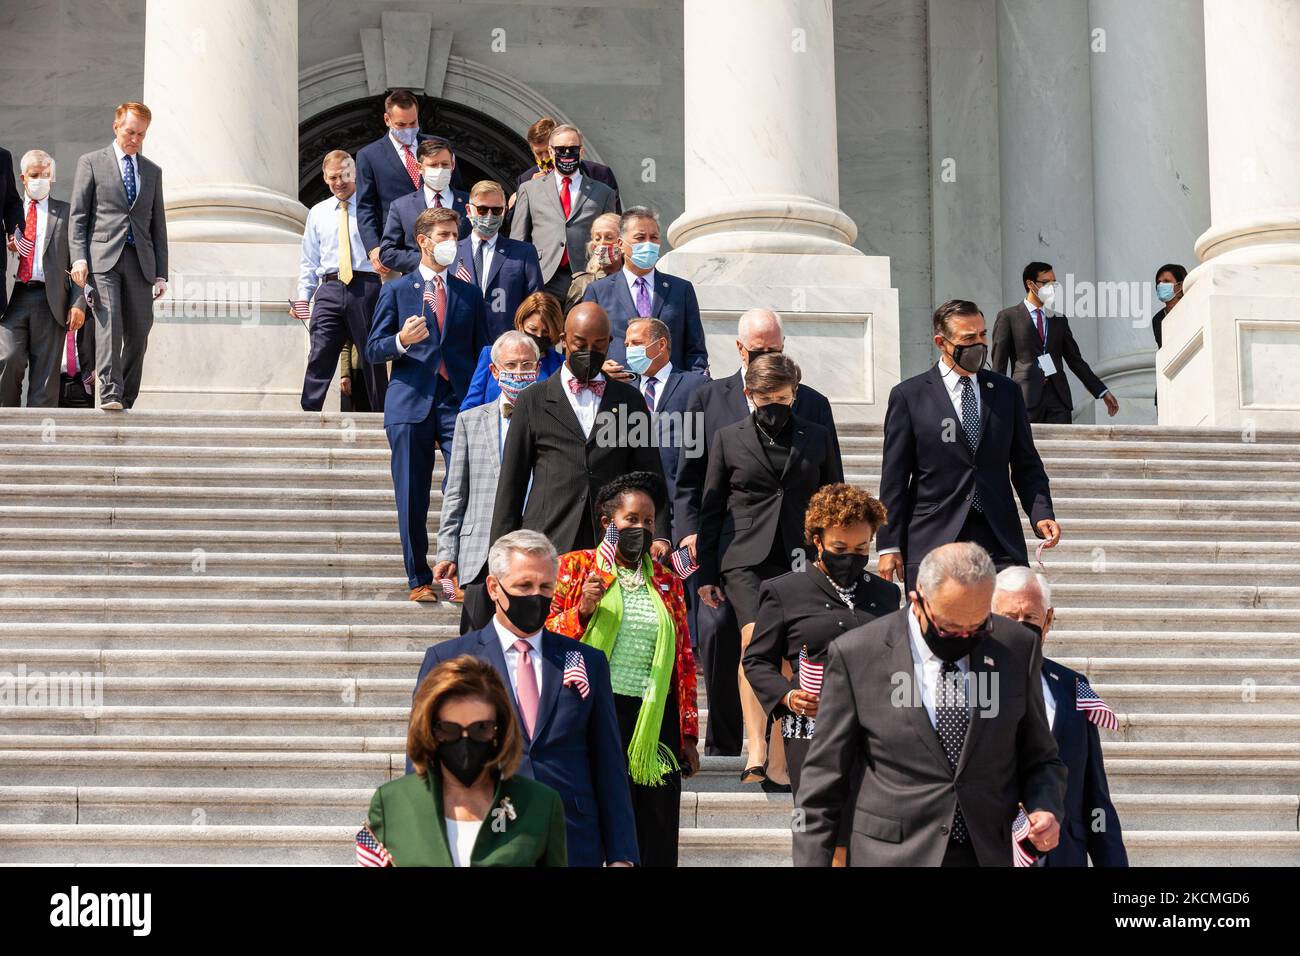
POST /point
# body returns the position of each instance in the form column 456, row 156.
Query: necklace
column 629, row 578
column 846, row 594
column 762, row 431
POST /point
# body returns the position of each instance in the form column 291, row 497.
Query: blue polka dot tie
column 970, row 424
column 128, row 181
column 952, row 720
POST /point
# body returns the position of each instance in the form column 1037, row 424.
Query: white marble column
column 1231, row 345
column 1151, row 176
column 221, row 78
column 762, row 225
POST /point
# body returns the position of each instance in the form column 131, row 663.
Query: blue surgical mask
column 1164, row 291
column 637, row 360
column 407, row 137
column 645, row 254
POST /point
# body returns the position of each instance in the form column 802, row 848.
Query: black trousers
column 657, row 810
column 718, row 636
column 477, row 609
column 341, row 314
column 960, row 854
column 1050, row 410
column 975, row 529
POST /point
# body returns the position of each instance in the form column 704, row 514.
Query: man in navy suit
column 388, row 169
column 1091, row 827
column 431, row 326
column 11, row 217
column 640, row 289
column 957, row 439
column 505, row 270
column 571, row 736
column 397, row 248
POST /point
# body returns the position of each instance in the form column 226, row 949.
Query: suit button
column 944, row 829
column 778, row 492
column 967, row 497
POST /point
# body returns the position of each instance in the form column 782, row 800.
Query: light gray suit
column 122, row 274
column 35, row 325
column 465, row 522
column 539, row 218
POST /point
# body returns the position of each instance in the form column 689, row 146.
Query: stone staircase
column 236, row 582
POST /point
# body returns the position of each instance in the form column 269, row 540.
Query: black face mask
column 527, row 611
column 949, row 649
column 567, row 159
column 633, row 543
column 543, row 343
column 466, row 758
column 1036, row 628
column 970, row 357
column 772, row 417
column 844, row 569
column 586, row 364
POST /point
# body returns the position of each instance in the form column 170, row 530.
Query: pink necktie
column 1038, row 321
column 70, row 343
column 526, row 686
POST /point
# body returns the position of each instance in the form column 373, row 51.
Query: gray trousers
column 124, row 316
column 31, row 341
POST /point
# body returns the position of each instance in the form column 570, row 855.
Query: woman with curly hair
column 801, row 613
column 615, row 598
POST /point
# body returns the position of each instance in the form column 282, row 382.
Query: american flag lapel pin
column 1054, row 676
column 988, row 661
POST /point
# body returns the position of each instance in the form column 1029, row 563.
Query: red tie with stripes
column 27, row 263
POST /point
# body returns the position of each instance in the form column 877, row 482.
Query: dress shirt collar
column 575, row 180
column 501, row 405
column 566, row 377
column 508, row 638
column 426, row 273
column 351, row 201
column 1030, row 307
column 489, row 245
column 632, row 278
column 661, row 376
column 42, row 204
column 952, row 378
column 921, row 653
column 448, row 197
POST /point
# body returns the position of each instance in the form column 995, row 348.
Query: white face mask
column 437, row 179
column 38, row 189
column 444, row 253
column 1047, row 295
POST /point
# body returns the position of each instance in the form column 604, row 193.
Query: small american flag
column 608, row 545
column 575, row 673
column 25, row 246
column 429, row 301
column 1093, row 707
column 1019, row 831
column 370, row 852
column 301, row 309
column 810, row 674
column 448, row 587
column 462, row 273
column 682, row 564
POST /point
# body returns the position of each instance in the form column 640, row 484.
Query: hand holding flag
column 370, row 852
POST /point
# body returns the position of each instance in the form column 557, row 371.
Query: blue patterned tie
column 952, row 720
column 970, row 424
column 128, row 180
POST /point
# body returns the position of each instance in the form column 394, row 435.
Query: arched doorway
column 485, row 148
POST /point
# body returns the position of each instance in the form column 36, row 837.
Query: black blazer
column 1086, row 791
column 747, row 504
column 928, row 472
column 718, row 404
column 802, row 608
column 11, row 217
column 568, row 470
column 1016, row 344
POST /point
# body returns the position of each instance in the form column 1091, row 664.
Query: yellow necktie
column 345, row 244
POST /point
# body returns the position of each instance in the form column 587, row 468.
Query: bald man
column 574, row 433
column 715, row 405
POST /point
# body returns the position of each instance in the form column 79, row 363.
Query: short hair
column 548, row 307
column 771, row 371
column 964, row 562
column 426, row 220
column 139, row 109
column 36, row 157
column 434, row 144
column 339, row 156
column 458, row 679
column 658, row 330
column 523, row 541
column 1178, row 272
column 645, row 482
column 948, row 310
column 540, row 132
column 564, row 128
column 748, row 316
column 633, row 213
column 513, row 337
column 1018, row 577
column 1033, row 271
column 487, row 186
column 838, row 506
column 400, row 99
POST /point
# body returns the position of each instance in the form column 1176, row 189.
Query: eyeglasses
column 519, row 367
column 448, row 731
column 984, row 630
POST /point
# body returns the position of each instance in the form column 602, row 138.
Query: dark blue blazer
column 381, row 179
column 577, row 750
column 397, row 247
column 1079, row 744
column 670, row 416
column 11, row 215
column 414, row 377
column 513, row 274
column 483, row 388
column 673, row 304
column 928, row 471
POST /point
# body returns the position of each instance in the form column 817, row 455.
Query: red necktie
column 440, row 310
column 437, row 200
column 412, row 169
column 1038, row 321
column 28, row 263
column 71, row 344
column 597, row 387
column 567, row 203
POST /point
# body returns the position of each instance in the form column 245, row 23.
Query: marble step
column 93, row 690
column 215, row 664
column 391, row 609
column 93, row 478
column 1064, row 643
column 344, row 457
column 269, row 498
column 181, row 432
column 152, row 768
column 1242, row 698
column 232, row 637
column 91, row 518
column 245, row 564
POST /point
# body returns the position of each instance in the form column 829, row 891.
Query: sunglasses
column 448, row 731
column 490, row 210
column 984, row 630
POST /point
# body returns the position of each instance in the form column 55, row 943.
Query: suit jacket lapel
column 498, row 259
column 112, row 165
column 552, row 676
column 736, row 396
column 943, row 399
column 550, row 187
column 52, row 218
column 901, row 663
column 557, row 403
column 493, row 435
column 606, row 404
column 983, row 664
column 660, row 292
column 579, row 199
column 750, row 440
column 396, row 162
column 797, row 445
column 674, row 379
column 982, row 385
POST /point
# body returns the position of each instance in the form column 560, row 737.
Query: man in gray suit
column 465, row 524
column 936, row 711
column 554, row 212
column 119, row 239
column 37, row 321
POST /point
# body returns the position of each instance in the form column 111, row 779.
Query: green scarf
column 648, row 760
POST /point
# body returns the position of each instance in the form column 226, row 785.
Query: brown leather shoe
column 424, row 593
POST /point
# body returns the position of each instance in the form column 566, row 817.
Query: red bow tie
column 597, row 388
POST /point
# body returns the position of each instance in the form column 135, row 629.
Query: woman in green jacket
column 463, row 806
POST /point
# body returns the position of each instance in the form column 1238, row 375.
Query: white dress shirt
column 402, row 147
column 1050, row 701
column 461, row 836
column 505, row 425
column 925, row 665
column 1031, row 307
column 489, row 249
column 42, row 221
column 448, row 197
column 320, row 244
column 425, row 274
column 661, row 381
column 632, row 279
column 507, row 639
column 575, row 181
column 135, row 167
column 585, row 403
